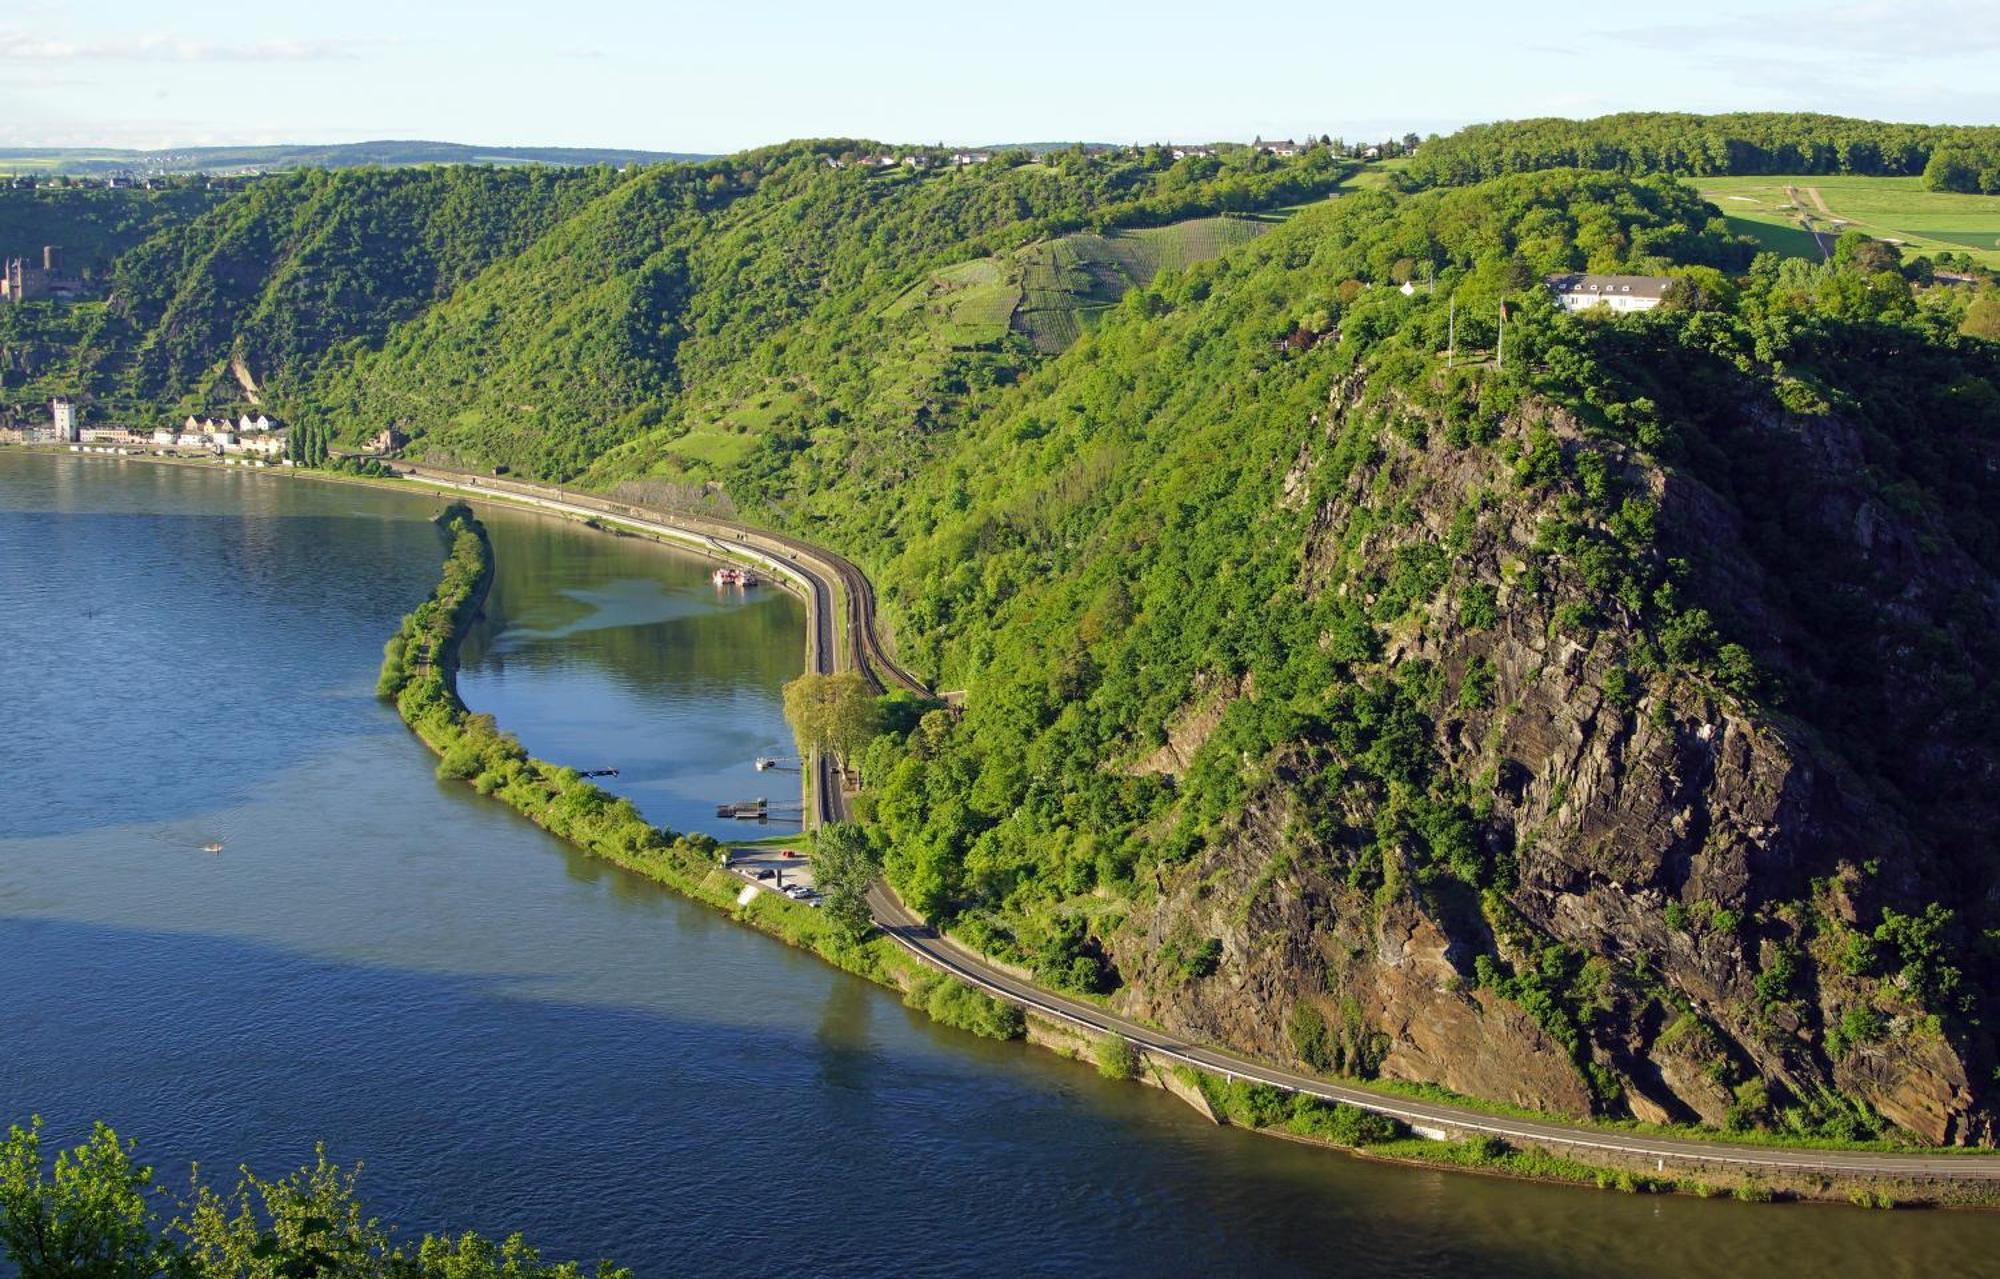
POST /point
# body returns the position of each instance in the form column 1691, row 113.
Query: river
column 511, row 1036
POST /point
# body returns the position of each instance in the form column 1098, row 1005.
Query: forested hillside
column 94, row 225
column 1605, row 731
column 1608, row 734
column 718, row 317
column 1669, row 142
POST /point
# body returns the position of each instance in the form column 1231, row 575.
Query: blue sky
column 734, row 73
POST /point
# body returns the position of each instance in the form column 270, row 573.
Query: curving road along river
column 834, row 587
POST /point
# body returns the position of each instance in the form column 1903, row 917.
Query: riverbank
column 552, row 797
column 418, row 674
column 1466, row 1128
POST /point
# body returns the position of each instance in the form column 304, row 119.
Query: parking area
column 783, row 869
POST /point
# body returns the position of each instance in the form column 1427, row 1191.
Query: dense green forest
column 93, row 226
column 1606, row 727
column 1967, row 165
column 1671, row 142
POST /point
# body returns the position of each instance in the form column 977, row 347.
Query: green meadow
column 1777, row 212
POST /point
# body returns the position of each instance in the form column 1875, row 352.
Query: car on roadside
column 767, row 873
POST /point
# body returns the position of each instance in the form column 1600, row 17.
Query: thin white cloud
column 18, row 46
column 1874, row 30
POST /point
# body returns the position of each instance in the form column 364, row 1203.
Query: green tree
column 836, row 713
column 87, row 1217
column 844, row 867
column 1982, row 318
column 90, row 1215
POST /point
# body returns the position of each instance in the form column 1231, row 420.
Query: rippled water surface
column 510, row 1036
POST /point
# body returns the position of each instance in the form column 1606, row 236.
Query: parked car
column 766, row 873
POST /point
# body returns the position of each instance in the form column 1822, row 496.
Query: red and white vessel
column 734, row 577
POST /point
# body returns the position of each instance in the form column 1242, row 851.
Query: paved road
column 819, row 570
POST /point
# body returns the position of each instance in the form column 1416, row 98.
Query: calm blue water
column 510, row 1036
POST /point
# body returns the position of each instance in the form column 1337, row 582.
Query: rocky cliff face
column 1717, row 869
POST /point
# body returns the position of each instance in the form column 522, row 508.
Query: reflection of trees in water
column 538, row 562
column 847, row 1069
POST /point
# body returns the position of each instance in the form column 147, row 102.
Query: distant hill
column 342, row 155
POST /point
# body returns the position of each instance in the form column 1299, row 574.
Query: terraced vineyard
column 1067, row 283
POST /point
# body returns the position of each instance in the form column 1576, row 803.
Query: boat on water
column 211, row 847
column 734, row 577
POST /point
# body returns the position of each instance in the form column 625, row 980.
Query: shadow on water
column 849, row 1143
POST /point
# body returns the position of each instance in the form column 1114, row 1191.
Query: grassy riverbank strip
column 419, row 673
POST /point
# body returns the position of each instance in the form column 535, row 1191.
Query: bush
column 958, row 1005
column 1309, row 1036
column 1341, row 1124
column 1118, row 1058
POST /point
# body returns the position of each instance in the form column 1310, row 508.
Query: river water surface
column 510, row 1036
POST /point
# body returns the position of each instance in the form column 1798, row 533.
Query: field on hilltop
column 1775, row 211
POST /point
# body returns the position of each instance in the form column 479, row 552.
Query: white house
column 1618, row 292
column 246, row 424
column 263, row 445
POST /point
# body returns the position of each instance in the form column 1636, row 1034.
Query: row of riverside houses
column 257, row 437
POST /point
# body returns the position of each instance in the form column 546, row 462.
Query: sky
column 729, row 74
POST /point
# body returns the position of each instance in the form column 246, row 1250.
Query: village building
column 387, row 440
column 1282, row 149
column 64, row 412
column 112, row 435
column 264, row 445
column 1623, row 293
